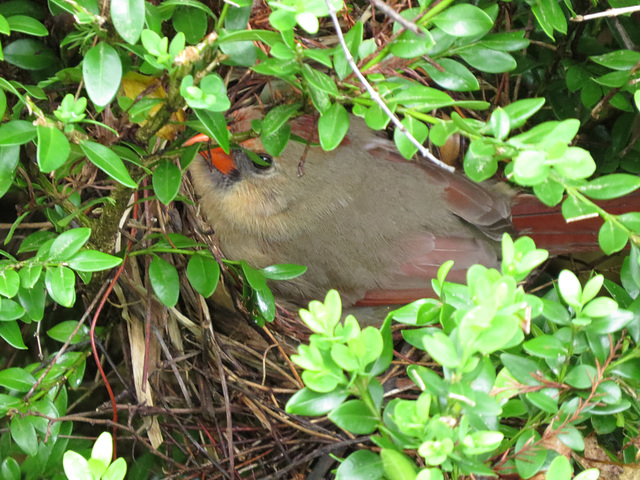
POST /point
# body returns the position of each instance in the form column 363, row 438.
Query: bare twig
column 374, row 95
column 396, row 17
column 612, row 12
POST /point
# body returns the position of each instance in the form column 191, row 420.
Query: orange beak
column 223, row 161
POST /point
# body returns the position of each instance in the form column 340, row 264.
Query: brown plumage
column 364, row 220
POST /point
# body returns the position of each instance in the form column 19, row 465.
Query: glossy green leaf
column 487, row 60
column 309, row 403
column 283, row 271
column 521, row 368
column 28, row 25
column 203, row 272
column 53, row 148
column 10, row 310
column 410, row 45
column 68, row 244
column 353, row 40
column 454, row 77
column 610, row 186
column 165, row 281
column 560, row 469
column 581, row 376
column 361, row 465
column 576, row 163
column 529, row 456
column 76, row 466
column 319, row 80
column 63, row 330
column 33, row 299
column 116, row 471
column 10, row 333
column 215, row 126
column 10, row 469
column 355, row 417
column 397, row 465
column 16, row 132
column 506, row 41
column 275, row 143
column 416, row 128
column 9, row 283
column 16, row 379
column 60, row 283
column 333, row 125
column 421, row 97
column 166, row 181
column 93, row 261
column 531, row 168
column 107, row 161
column 574, row 209
column 611, row 237
column 29, row 54
column 265, row 303
column 464, row 21
column 618, row 59
column 545, row 346
column 277, row 117
column 128, row 18
column 191, row 22
column 102, row 73
column 24, row 434
column 543, row 402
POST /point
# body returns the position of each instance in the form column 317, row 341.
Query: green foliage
column 70, row 112
column 491, row 372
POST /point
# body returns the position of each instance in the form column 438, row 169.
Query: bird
column 364, row 220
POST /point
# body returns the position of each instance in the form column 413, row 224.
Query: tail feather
column 549, row 229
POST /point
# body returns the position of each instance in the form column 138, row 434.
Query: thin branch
column 612, row 12
column 396, row 17
column 374, row 95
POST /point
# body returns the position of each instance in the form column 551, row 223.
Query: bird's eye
column 263, row 161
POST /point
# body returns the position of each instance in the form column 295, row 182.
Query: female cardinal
column 361, row 218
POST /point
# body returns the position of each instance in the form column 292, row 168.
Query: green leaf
column 455, row 77
column 333, row 125
column 102, row 73
column 353, row 40
column 16, row 379
column 545, row 346
column 576, row 163
column 543, row 402
column 107, row 161
column 464, row 21
column 421, row 97
column 60, row 282
column 16, row 132
column 116, row 471
column 612, row 237
column 10, row 310
column 285, row 271
column 581, row 376
column 265, row 303
column 313, row 404
column 570, row 288
column 63, row 330
column 165, row 281
column 277, row 117
column 361, row 465
column 416, row 128
column 506, row 41
column 560, row 469
column 529, row 457
column 574, row 208
column 53, row 148
column 33, row 299
column 10, row 332
column 319, row 80
column 68, row 244
column 215, row 126
column 29, row 54
column 442, row 349
column 618, row 60
column 191, row 22
column 255, row 277
column 24, row 434
column 355, row 417
column 611, row 186
column 166, row 181
column 93, row 261
column 397, row 465
column 488, row 60
column 410, row 45
column 28, row 25
column 9, row 283
column 76, row 466
column 203, row 272
column 128, row 18
column 275, row 143
column 530, row 168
